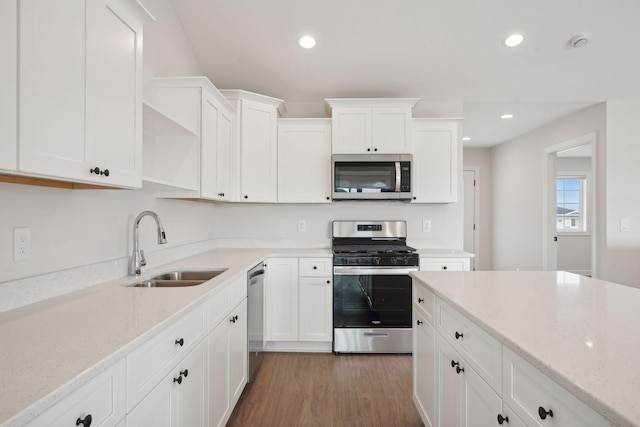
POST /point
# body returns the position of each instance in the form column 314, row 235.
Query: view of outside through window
column 570, row 213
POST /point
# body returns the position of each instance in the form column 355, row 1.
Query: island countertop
column 583, row 333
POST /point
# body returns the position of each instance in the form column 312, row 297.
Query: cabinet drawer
column 102, row 398
column 444, row 264
column 424, row 301
column 315, row 267
column 527, row 390
column 482, row 351
column 147, row 364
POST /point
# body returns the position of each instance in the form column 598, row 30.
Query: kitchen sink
column 179, row 278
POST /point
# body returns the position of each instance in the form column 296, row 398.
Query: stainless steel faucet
column 137, row 258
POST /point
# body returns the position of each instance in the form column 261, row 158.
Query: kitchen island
column 550, row 328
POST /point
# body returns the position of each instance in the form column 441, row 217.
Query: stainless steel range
column 372, row 287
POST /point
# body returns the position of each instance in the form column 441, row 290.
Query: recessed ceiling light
column 507, row 116
column 513, row 40
column 466, row 138
column 307, row 42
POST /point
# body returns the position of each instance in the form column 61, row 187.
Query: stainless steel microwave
column 371, row 176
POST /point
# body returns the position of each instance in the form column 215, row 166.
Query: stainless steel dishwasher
column 255, row 321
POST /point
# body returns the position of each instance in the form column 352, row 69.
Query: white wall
column 481, row 157
column 273, row 222
column 518, row 187
column 73, row 228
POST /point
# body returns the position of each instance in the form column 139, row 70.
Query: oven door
column 372, row 297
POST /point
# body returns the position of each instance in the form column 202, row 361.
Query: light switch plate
column 426, row 226
column 302, row 226
column 624, row 224
column 21, row 244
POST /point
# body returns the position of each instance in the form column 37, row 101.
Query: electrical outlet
column 426, row 226
column 21, row 244
column 302, row 226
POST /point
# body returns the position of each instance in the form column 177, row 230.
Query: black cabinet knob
column 375, row 149
column 420, row 299
column 419, row 322
column 454, row 364
column 502, row 419
column 444, row 267
column 315, row 268
column 85, row 422
column 414, row 198
column 185, row 373
column 95, row 170
column 459, row 335
column 178, row 380
column 368, row 149
column 542, row 413
column 246, row 197
column 105, row 173
column 328, row 281
column 180, row 342
column 457, row 366
column 459, row 369
column 328, row 198
column 234, row 319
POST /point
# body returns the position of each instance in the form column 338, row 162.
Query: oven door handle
column 373, row 271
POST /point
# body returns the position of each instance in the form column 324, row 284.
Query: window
column 571, row 206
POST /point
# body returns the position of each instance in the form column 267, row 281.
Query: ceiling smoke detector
column 579, row 40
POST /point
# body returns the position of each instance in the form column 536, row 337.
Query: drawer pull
column 444, row 267
column 86, row 422
column 185, row 373
column 178, row 380
column 315, row 268
column 459, row 335
column 542, row 413
column 419, row 322
column 233, row 319
column 502, row 419
column 180, row 342
column 420, row 300
column 457, row 366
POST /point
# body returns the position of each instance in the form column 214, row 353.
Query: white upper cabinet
column 436, row 160
column 368, row 126
column 187, row 140
column 256, row 137
column 304, row 160
column 8, row 84
column 80, row 90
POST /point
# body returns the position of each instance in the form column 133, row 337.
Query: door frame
column 549, row 247
column 476, row 214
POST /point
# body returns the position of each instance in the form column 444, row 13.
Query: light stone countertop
column 53, row 347
column 581, row 332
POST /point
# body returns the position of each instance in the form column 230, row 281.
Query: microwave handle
column 398, row 177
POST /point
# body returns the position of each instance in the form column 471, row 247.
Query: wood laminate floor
column 324, row 390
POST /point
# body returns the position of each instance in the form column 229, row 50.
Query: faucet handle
column 143, row 261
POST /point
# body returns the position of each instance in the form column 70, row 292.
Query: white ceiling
column 449, row 53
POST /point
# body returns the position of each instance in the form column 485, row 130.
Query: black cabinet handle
column 454, row 364
column 459, row 369
column 368, row 149
column 86, row 422
column 180, row 342
column 315, row 268
column 328, row 281
column 457, row 366
column 246, row 197
column 105, row 173
column 178, row 380
column 419, row 322
column 95, row 170
column 414, row 198
column 459, row 335
column 375, row 149
column 444, row 267
column 233, row 319
column 542, row 413
column 502, row 419
column 328, row 198
column 420, row 299
column 185, row 373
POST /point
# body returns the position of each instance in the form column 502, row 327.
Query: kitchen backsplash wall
column 267, row 224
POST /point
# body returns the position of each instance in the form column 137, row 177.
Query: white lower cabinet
column 181, row 397
column 445, row 264
column 100, row 402
column 463, row 376
column 299, row 304
column 540, row 401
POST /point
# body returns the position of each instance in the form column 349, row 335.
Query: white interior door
column 470, row 214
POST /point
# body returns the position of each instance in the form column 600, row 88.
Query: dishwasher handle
column 255, row 274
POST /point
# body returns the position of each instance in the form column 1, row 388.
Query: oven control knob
column 376, row 260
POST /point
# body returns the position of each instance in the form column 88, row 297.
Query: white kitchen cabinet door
column 209, row 147
column 435, row 161
column 223, row 157
column 8, row 84
column 259, row 153
column 219, row 402
column 238, row 357
column 351, row 130
column 316, row 309
column 450, row 384
column 481, row 404
column 445, row 264
column 391, row 130
column 192, row 405
column 281, row 296
column 304, row 161
column 181, row 398
column 424, row 368
column 84, row 112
